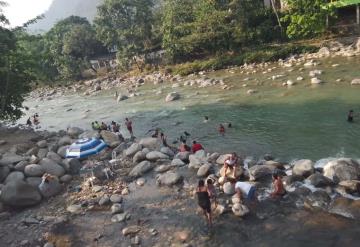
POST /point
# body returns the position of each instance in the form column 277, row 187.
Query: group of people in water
column 113, row 126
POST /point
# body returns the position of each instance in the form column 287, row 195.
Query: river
column 301, row 121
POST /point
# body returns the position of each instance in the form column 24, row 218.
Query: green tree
column 126, row 25
column 306, row 18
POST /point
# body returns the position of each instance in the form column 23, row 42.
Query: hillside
column 61, row 9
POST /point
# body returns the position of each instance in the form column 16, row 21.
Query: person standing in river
column 350, row 117
column 221, row 129
column 204, row 201
column 129, row 127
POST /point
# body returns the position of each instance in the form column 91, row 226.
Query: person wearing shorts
column 204, row 201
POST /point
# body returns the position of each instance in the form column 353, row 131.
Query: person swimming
column 206, row 119
column 221, row 129
column 350, row 117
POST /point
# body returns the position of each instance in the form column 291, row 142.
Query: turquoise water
column 303, row 121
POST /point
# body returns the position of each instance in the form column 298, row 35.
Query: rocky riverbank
column 149, row 200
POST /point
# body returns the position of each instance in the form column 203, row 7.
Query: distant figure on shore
column 28, row 122
column 221, row 129
column 129, row 127
column 206, row 119
column 350, row 117
column 196, row 147
column 278, row 186
column 184, row 148
column 204, row 201
column 95, row 125
column 115, row 127
column 104, row 126
column 116, row 95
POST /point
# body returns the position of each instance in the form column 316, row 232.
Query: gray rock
column 32, row 151
column 109, row 137
column 42, row 144
column 167, row 151
column 204, row 170
column 172, row 96
column 345, row 207
column 52, row 167
column 14, row 176
column 342, row 169
column 222, row 158
column 350, row 186
column 4, row 172
column 62, row 151
column 213, row 157
column 133, row 149
column 104, row 200
column 54, row 156
column 74, row 209
column 42, row 153
column 289, row 180
column 74, row 132
column 155, row 155
column 53, row 147
column 162, row 168
column 117, row 208
column 34, row 159
column 141, row 168
column 73, row 166
column 169, row 178
column 131, row 230
column 139, row 156
column 34, row 170
column 119, row 217
column 318, row 199
column 20, row 194
column 318, row 180
column 184, row 156
column 97, row 188
column 259, row 171
column 116, row 198
column 19, row 166
column 121, row 148
column 34, row 181
column 229, row 188
column 65, row 140
column 151, row 143
column 303, row 168
column 89, row 134
column 66, row 178
column 52, row 188
column 195, row 162
column 145, row 151
column 177, row 162
column 10, row 158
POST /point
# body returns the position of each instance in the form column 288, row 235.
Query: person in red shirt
column 128, row 124
column 196, row 147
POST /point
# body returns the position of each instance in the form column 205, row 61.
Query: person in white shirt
column 245, row 190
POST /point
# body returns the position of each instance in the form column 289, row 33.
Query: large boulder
column 351, row 186
column 14, row 176
column 33, row 181
column 20, row 194
column 34, row 170
column 213, row 157
column 151, row 143
column 110, row 138
column 42, row 153
column 346, row 207
column 318, row 199
column 65, row 140
column 72, row 166
column 42, row 144
column 74, row 132
column 133, row 149
column 141, row 168
column 50, row 188
column 172, row 96
column 195, row 162
column 10, row 158
column 342, row 169
column 303, row 168
column 169, row 178
column 167, row 151
column 318, row 180
column 4, row 172
column 139, row 156
column 184, row 156
column 156, row 155
column 52, row 167
column 62, row 151
column 204, row 170
column 260, row 171
column 221, row 159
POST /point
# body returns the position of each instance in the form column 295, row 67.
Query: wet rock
column 229, row 188
column 240, row 210
column 139, row 156
column 167, row 151
column 162, row 168
column 32, row 151
column 222, row 158
column 273, row 164
column 177, row 162
column 20, row 194
column 342, row 169
column 195, row 162
column 52, row 188
column 116, row 198
column 42, row 144
column 155, row 155
column 131, row 230
column 122, row 97
column 316, row 80
column 119, row 217
column 4, row 172
column 34, row 170
column 42, row 153
column 213, row 157
column 54, row 156
column 133, row 149
column 258, row 172
column 303, row 168
column 141, row 168
column 104, row 200
column 52, row 167
column 141, row 181
column 72, row 166
column 10, row 158
column 34, row 159
column 169, row 178
column 74, row 209
column 204, row 170
column 345, row 207
column 318, row 199
column 172, row 97
column 33, row 181
column 66, row 178
column 289, row 180
column 14, row 176
column 62, row 151
column 151, row 143
column 184, row 156
column 355, row 81
column 351, row 186
column 109, row 137
column 318, row 180
column 117, row 208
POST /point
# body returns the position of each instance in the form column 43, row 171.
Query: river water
column 302, row 121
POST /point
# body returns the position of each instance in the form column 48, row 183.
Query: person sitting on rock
column 278, row 186
column 231, row 163
column 204, row 201
column 245, row 190
column 184, row 148
column 196, row 147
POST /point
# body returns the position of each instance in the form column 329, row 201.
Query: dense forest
column 185, row 29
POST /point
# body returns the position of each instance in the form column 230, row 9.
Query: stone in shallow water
column 131, row 230
column 74, row 209
column 116, row 198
